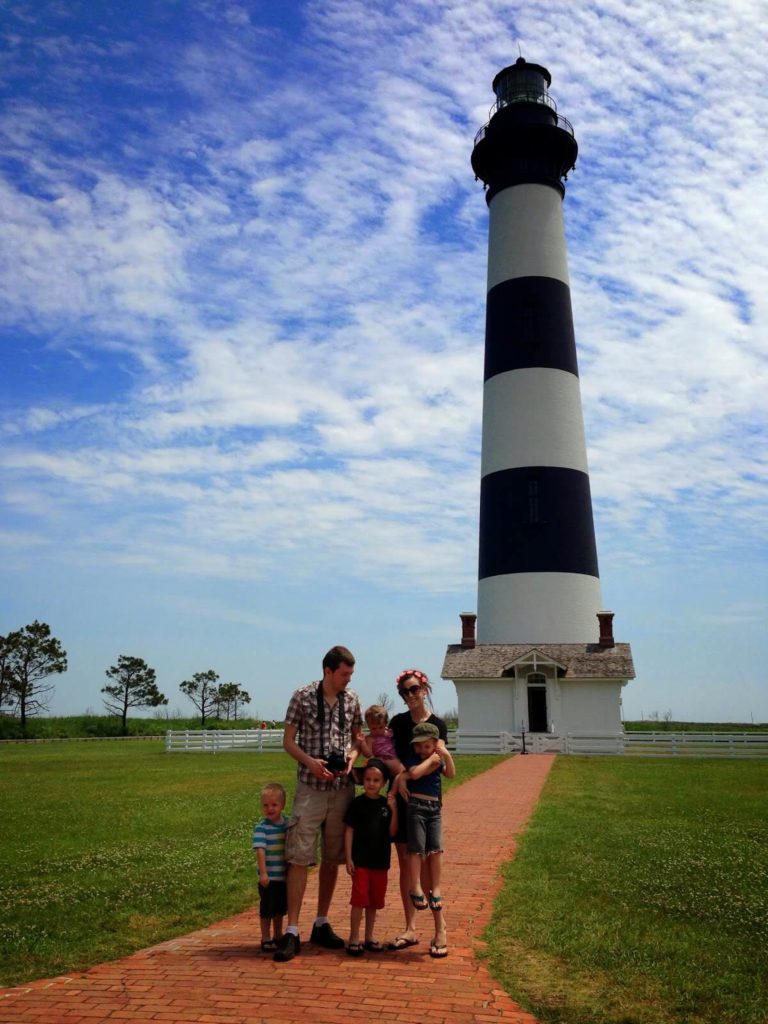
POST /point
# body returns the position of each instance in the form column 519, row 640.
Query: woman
column 413, row 686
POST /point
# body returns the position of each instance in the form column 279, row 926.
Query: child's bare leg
column 355, row 917
column 425, row 875
column 370, row 923
column 434, row 865
column 416, row 864
column 266, row 924
column 277, row 927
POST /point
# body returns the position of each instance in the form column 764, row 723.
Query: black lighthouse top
column 526, row 140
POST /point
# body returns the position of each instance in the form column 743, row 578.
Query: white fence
column 696, row 744
column 219, row 740
column 636, row 744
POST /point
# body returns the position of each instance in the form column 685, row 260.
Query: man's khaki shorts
column 317, row 811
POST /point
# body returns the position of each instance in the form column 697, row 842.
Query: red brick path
column 219, row 976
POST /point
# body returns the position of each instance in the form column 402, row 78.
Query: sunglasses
column 407, row 691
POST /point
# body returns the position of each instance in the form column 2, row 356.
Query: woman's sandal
column 402, row 942
column 419, row 900
column 438, row 950
column 268, row 946
column 355, row 948
column 435, row 901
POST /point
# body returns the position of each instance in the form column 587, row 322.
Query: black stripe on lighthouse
column 536, row 519
column 529, row 322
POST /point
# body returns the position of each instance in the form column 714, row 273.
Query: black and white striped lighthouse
column 538, row 576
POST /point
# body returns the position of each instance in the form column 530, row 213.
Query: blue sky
column 243, row 277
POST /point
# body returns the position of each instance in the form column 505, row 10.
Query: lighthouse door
column 537, row 707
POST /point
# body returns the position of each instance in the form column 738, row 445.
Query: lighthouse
column 537, row 575
column 539, row 620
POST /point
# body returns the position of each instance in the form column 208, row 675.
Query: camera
column 336, row 762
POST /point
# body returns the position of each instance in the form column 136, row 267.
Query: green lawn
column 639, row 895
column 111, row 847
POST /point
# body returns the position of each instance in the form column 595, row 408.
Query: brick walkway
column 219, row 976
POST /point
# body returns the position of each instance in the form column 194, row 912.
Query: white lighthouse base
column 532, row 607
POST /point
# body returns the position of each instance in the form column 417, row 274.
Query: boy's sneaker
column 287, row 948
column 324, row 935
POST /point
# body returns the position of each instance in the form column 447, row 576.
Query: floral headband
column 407, row 673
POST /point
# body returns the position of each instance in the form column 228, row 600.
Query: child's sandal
column 355, row 948
column 419, row 900
column 268, row 946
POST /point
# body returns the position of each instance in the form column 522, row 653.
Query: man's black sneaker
column 324, row 935
column 287, row 948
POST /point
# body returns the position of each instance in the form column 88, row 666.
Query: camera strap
column 321, row 716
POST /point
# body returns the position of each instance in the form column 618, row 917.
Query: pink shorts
column 369, row 887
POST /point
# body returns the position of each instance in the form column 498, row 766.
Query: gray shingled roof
column 580, row 661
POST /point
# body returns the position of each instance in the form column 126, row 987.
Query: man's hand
column 318, row 768
column 350, row 868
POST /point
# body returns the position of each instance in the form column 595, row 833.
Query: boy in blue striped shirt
column 269, row 844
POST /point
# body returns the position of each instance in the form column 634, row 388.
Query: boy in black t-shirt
column 371, row 822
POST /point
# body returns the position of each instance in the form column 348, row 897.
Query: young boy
column 429, row 761
column 371, row 822
column 378, row 742
column 269, row 844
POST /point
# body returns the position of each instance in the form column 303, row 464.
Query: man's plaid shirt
column 317, row 741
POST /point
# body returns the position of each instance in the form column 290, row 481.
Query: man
column 323, row 726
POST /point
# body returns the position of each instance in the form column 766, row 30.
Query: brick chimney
column 606, row 629
column 468, row 620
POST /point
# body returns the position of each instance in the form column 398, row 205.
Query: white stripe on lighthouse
column 533, row 417
column 537, row 608
column 526, row 236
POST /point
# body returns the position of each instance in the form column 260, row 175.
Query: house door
column 538, row 720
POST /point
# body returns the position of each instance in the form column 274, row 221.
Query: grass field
column 639, row 895
column 111, row 847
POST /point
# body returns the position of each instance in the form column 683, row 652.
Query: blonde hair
column 376, row 713
column 274, row 787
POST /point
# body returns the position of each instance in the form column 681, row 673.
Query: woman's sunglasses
column 409, row 691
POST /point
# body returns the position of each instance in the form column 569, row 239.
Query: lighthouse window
column 522, row 86
column 534, row 512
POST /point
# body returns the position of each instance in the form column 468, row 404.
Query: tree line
column 31, row 656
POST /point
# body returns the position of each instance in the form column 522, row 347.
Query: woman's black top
column 402, row 732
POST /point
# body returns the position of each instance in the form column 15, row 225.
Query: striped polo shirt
column 270, row 837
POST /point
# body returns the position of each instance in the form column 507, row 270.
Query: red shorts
column 369, row 887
